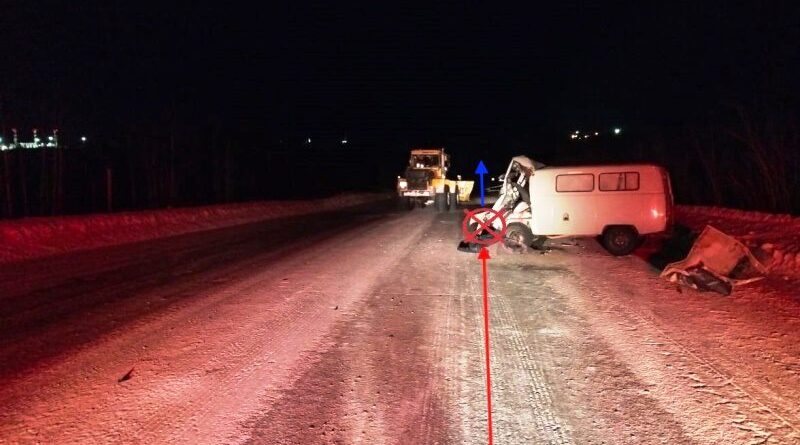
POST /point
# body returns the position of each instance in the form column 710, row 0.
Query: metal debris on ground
column 716, row 262
column 126, row 377
column 464, row 246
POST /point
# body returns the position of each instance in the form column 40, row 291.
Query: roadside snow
column 38, row 237
column 776, row 237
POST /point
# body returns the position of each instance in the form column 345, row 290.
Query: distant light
column 308, row 141
column 617, row 131
column 573, row 136
column 83, row 138
column 596, row 133
column 458, row 177
column 586, row 136
column 50, row 138
column 344, row 141
column 494, row 179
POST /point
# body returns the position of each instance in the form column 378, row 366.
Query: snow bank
column 775, row 236
column 38, row 237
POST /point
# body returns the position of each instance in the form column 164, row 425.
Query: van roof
column 585, row 167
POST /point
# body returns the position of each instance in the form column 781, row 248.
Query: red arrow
column 483, row 255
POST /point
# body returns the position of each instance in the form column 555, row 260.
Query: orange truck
column 425, row 181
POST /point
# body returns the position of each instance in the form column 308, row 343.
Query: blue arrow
column 481, row 170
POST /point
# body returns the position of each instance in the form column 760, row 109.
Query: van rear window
column 575, row 183
column 615, row 182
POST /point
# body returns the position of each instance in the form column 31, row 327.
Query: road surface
column 365, row 327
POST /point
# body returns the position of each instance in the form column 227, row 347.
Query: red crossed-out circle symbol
column 472, row 236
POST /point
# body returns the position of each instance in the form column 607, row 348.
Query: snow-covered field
column 777, row 236
column 38, row 237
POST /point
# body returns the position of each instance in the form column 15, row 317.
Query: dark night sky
column 430, row 73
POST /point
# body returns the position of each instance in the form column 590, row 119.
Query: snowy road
column 365, row 327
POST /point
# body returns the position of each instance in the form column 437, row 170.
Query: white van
column 619, row 203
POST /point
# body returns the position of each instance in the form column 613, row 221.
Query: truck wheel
column 446, row 203
column 518, row 237
column 410, row 202
column 454, row 200
column 440, row 202
column 620, row 240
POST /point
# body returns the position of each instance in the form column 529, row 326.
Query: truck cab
column 424, row 180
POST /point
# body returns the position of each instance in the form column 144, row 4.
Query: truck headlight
column 402, row 183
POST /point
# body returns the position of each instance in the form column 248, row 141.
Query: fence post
column 109, row 190
column 23, row 180
column 7, row 180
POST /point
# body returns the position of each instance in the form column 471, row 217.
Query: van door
column 571, row 206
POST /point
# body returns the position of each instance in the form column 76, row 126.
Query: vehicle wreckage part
column 716, row 262
column 464, row 246
column 702, row 279
column 538, row 242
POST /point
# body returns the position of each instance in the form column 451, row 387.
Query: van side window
column 614, row 182
column 575, row 183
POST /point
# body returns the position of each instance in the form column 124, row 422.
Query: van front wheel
column 518, row 237
column 620, row 240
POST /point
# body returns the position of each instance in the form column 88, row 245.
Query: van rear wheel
column 620, row 240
